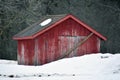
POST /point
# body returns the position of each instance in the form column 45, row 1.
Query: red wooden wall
column 51, row 45
column 26, row 52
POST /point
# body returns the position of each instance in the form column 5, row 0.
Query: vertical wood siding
column 52, row 44
column 26, row 52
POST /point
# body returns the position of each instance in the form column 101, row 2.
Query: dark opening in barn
column 55, row 37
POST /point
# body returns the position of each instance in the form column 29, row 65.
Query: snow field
column 88, row 67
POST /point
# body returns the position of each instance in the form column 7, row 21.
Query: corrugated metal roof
column 35, row 28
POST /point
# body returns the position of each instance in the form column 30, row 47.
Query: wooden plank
column 76, row 46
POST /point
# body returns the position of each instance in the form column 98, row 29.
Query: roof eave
column 22, row 38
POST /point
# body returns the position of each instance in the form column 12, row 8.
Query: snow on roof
column 45, row 22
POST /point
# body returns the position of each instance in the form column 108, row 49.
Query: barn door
column 68, row 42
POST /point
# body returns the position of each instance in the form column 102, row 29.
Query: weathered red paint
column 51, row 43
column 26, row 52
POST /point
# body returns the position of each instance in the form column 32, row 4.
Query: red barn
column 55, row 37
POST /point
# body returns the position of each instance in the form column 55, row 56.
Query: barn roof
column 38, row 28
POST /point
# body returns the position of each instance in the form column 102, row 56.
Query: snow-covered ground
column 88, row 67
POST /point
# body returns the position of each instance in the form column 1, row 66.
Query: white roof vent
column 45, row 22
